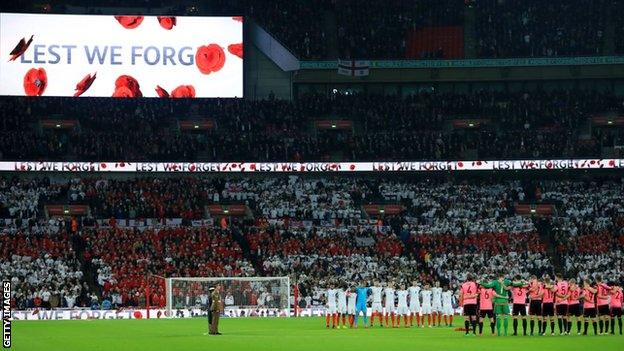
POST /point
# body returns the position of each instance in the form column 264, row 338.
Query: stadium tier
column 296, row 175
column 315, row 230
column 412, row 29
column 426, row 126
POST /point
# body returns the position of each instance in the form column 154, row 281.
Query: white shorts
column 415, row 308
column 342, row 309
column 350, row 309
column 437, row 307
column 447, row 310
column 376, row 307
column 390, row 308
column 426, row 309
column 402, row 310
column 331, row 309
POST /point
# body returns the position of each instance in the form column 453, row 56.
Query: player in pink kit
column 589, row 306
column 536, row 293
column 548, row 306
column 519, row 293
column 574, row 306
column 616, row 307
column 602, row 301
column 561, row 304
column 486, row 309
column 468, row 299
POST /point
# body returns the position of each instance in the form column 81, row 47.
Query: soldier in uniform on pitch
column 215, row 307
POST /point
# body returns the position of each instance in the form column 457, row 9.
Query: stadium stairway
column 544, row 228
column 89, row 274
column 470, row 34
column 608, row 44
column 239, row 236
column 331, row 31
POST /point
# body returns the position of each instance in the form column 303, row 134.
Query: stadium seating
column 385, row 30
column 125, row 258
column 521, row 125
column 22, row 197
column 43, row 268
column 540, row 29
column 312, row 229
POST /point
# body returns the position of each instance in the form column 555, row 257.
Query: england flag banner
column 355, row 68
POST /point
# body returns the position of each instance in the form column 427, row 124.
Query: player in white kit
column 436, row 307
column 389, row 305
column 376, row 309
column 402, row 309
column 332, row 308
column 447, row 307
column 342, row 307
column 414, row 303
column 426, row 305
column 351, row 298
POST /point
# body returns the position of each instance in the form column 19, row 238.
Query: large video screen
column 121, row 56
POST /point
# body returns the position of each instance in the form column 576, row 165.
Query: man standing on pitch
column 215, row 309
column 501, row 301
column 468, row 299
column 360, row 304
column 208, row 304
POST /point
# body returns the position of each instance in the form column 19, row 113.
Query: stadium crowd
column 311, row 229
column 415, row 127
column 42, row 267
column 336, row 28
column 125, row 259
column 590, row 234
column 540, row 29
column 22, row 197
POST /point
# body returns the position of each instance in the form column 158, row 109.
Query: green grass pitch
column 257, row 334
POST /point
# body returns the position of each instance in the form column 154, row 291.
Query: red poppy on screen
column 161, row 92
column 84, row 84
column 209, row 58
column 167, row 22
column 123, row 92
column 130, row 83
column 20, row 48
column 35, row 82
column 238, row 18
column 129, row 22
column 236, row 49
column 183, row 91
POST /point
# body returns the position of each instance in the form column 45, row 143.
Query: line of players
column 563, row 300
column 415, row 305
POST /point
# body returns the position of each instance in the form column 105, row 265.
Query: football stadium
column 312, row 175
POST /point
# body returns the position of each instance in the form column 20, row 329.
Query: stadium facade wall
column 262, row 77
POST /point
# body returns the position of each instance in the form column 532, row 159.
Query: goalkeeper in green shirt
column 501, row 287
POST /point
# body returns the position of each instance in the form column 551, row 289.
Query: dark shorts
column 616, row 311
column 575, row 310
column 562, row 310
column 548, row 309
column 486, row 313
column 604, row 310
column 518, row 309
column 535, row 308
column 470, row 309
column 589, row 312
